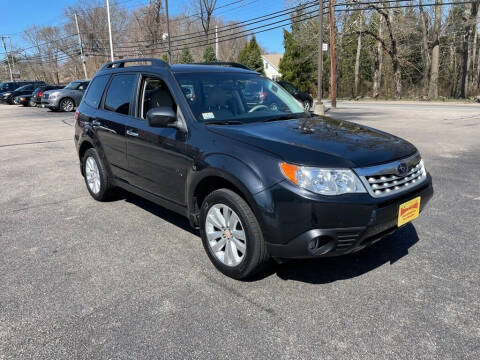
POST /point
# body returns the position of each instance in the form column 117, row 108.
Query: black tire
column 105, row 190
column 256, row 256
column 66, row 105
column 32, row 103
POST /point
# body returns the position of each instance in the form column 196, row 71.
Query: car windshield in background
column 73, row 85
column 24, row 87
column 235, row 97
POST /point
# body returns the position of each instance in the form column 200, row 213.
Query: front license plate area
column 408, row 211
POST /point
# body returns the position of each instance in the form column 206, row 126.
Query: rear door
column 112, row 117
column 156, row 156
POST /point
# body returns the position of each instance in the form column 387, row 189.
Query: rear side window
column 95, row 91
column 119, row 93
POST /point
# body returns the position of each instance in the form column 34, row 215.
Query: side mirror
column 161, row 117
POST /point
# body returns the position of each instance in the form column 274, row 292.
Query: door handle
column 132, row 133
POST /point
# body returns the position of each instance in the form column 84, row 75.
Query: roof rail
column 121, row 63
column 225, row 63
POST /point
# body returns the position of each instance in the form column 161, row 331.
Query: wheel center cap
column 228, row 234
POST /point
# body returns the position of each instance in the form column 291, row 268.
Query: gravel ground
column 127, row 279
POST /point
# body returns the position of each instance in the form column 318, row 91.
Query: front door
column 156, row 156
column 111, row 120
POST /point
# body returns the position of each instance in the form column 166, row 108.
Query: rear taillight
column 40, row 93
column 76, row 115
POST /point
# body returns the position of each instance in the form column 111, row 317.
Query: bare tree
column 433, row 83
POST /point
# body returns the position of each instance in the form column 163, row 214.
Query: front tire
column 96, row 176
column 66, row 105
column 32, row 103
column 231, row 235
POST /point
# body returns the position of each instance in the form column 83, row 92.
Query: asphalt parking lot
column 127, row 279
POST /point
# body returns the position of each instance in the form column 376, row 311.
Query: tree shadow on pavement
column 327, row 270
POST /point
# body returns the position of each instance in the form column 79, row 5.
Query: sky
column 16, row 16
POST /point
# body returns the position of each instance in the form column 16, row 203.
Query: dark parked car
column 67, row 98
column 303, row 97
column 38, row 93
column 25, row 89
column 257, row 182
column 24, row 100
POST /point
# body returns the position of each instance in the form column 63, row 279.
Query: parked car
column 13, row 85
column 305, row 98
column 24, row 100
column 66, row 99
column 26, row 89
column 257, row 182
column 38, row 93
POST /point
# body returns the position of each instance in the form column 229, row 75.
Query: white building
column 270, row 65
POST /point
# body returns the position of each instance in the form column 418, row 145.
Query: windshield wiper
column 223, row 122
column 283, row 117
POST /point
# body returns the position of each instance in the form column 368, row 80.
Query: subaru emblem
column 402, row 169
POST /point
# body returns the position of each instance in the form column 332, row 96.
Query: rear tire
column 222, row 239
column 96, row 176
column 32, row 103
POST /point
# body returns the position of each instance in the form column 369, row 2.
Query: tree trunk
column 425, row 49
column 377, row 74
column 433, row 86
column 466, row 71
column 397, row 77
column 357, row 64
column 474, row 52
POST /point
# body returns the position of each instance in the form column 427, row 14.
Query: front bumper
column 50, row 103
column 305, row 228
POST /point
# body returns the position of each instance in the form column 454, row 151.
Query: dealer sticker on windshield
column 408, row 211
column 208, row 115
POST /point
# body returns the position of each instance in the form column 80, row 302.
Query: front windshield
column 73, row 85
column 237, row 97
column 24, row 87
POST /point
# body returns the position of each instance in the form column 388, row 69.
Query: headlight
column 323, row 181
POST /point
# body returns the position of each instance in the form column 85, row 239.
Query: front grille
column 384, row 180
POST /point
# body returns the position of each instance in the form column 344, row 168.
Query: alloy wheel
column 67, row 105
column 93, row 175
column 226, row 235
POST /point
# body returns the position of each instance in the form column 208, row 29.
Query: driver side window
column 155, row 94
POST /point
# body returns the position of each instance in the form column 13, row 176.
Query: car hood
column 320, row 141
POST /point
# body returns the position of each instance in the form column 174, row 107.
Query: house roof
column 273, row 59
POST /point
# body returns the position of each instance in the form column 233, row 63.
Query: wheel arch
column 213, row 179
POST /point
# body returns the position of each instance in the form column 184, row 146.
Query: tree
column 209, row 54
column 298, row 64
column 186, row 57
column 165, row 57
column 251, row 56
column 433, row 84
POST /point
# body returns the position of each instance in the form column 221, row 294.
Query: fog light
column 318, row 242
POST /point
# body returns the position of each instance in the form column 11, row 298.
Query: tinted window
column 95, row 91
column 119, row 93
column 155, row 94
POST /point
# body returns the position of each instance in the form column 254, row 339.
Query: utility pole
column 319, row 105
column 168, row 30
column 82, row 56
column 333, row 82
column 216, row 43
column 14, row 66
column 109, row 30
column 6, row 55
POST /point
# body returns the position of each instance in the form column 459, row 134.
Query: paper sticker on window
column 208, row 115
